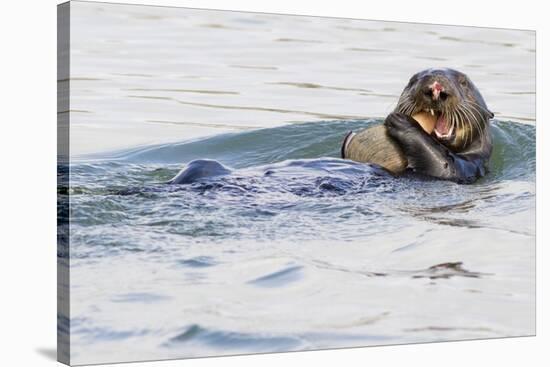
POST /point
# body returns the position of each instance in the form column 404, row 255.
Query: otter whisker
column 480, row 112
column 466, row 132
column 460, row 123
column 408, row 108
column 469, row 118
column 480, row 129
column 457, row 121
column 483, row 108
column 473, row 122
column 405, row 106
column 411, row 107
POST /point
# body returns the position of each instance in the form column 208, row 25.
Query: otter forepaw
column 401, row 127
column 396, row 120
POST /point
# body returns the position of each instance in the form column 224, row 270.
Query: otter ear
column 462, row 79
column 491, row 114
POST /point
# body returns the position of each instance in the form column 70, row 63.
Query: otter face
column 452, row 99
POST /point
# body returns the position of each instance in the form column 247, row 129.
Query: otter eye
column 443, row 96
column 462, row 80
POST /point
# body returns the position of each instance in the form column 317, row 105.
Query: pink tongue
column 441, row 125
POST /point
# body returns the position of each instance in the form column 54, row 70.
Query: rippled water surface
column 294, row 249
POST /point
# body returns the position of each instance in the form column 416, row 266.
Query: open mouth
column 435, row 122
column 443, row 129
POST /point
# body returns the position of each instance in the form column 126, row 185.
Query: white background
column 28, row 182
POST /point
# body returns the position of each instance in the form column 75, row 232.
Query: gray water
column 296, row 249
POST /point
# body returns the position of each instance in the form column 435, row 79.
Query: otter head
column 460, row 113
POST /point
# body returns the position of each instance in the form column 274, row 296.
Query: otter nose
column 437, row 90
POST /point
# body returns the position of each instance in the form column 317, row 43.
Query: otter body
column 456, row 148
column 199, row 169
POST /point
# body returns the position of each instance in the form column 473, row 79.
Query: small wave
column 196, row 335
column 139, row 297
column 229, row 340
column 102, row 334
column 279, row 278
column 198, row 262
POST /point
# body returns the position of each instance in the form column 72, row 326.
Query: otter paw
column 400, row 126
column 396, row 120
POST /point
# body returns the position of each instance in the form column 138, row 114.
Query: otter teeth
column 432, row 111
column 442, row 136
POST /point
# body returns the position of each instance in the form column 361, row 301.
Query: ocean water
column 295, row 249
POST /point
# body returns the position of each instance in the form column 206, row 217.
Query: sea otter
column 440, row 128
